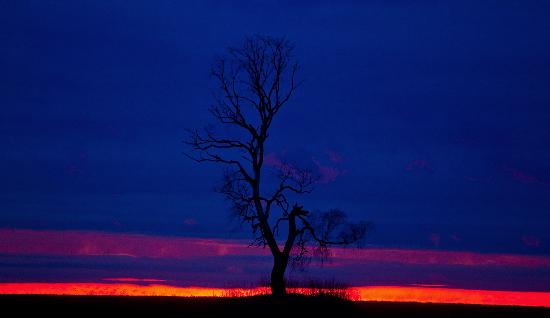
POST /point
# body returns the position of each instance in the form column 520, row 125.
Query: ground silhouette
column 260, row 306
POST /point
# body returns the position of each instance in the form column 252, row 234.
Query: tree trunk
column 278, row 283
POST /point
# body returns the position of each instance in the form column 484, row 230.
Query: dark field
column 294, row 306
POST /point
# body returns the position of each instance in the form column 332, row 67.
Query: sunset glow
column 275, row 158
column 449, row 295
column 366, row 293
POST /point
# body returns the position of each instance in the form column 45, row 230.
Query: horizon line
column 418, row 294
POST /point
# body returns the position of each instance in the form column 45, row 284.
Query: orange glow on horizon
column 366, row 293
column 452, row 296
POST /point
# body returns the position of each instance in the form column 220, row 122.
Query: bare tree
column 255, row 81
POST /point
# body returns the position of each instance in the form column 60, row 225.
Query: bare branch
column 254, row 82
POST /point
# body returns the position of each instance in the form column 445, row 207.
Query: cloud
column 437, row 257
column 82, row 243
column 419, row 165
column 476, row 179
column 334, row 157
column 523, row 176
column 97, row 257
column 455, row 238
column 134, row 280
column 271, row 159
column 435, row 238
column 327, row 174
column 190, row 221
column 530, row 241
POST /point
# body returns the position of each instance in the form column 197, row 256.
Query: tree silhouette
column 255, row 81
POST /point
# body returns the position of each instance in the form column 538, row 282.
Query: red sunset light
column 366, row 293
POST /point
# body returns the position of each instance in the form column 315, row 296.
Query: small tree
column 256, row 80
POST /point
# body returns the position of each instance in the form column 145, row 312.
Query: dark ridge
column 258, row 306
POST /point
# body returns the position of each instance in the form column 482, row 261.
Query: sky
column 427, row 118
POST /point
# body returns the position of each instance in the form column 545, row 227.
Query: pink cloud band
column 86, row 243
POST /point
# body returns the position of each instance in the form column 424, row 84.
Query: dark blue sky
column 430, row 118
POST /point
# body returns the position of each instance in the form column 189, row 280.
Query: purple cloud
column 479, row 179
column 190, row 221
column 523, row 176
column 272, row 160
column 334, row 156
column 326, row 173
column 435, row 238
column 419, row 165
column 530, row 241
column 455, row 238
